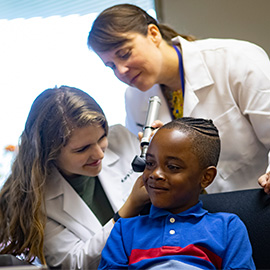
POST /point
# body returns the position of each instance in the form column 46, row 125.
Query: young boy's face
column 172, row 175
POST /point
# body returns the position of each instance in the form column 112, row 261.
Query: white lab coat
column 227, row 81
column 74, row 237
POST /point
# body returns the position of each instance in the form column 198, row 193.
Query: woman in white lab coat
column 227, row 81
column 70, row 181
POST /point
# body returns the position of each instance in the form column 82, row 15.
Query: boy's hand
column 139, row 193
column 136, row 201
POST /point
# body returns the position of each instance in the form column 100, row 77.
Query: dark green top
column 90, row 190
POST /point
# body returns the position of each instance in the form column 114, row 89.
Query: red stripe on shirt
column 190, row 250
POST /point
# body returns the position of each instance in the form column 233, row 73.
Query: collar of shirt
column 196, row 211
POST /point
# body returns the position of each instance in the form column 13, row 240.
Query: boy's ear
column 208, row 176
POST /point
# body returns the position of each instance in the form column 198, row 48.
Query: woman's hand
column 156, row 125
column 136, row 201
column 264, row 182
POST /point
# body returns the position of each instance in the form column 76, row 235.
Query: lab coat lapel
column 111, row 179
column 190, row 100
column 72, row 205
column 81, row 213
column 197, row 75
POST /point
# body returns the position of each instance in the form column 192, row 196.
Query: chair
column 11, row 262
column 8, row 260
column 253, row 208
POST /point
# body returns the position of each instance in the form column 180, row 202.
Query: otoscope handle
column 138, row 164
column 152, row 115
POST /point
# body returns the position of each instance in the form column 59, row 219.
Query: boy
column 178, row 233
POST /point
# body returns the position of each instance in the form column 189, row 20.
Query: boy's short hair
column 203, row 135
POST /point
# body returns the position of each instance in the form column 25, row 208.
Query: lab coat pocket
column 238, row 142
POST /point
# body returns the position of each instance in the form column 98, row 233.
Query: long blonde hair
column 53, row 115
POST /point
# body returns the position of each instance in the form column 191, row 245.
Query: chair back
column 253, row 208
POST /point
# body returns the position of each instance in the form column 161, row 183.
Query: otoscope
column 138, row 163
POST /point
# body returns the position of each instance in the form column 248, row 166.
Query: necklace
column 176, row 98
column 177, row 102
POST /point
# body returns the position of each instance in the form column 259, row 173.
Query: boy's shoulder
column 222, row 215
column 224, row 221
column 133, row 220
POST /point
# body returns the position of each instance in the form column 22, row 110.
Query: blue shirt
column 193, row 239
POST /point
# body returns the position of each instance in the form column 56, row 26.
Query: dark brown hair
column 109, row 29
